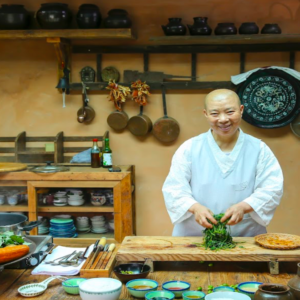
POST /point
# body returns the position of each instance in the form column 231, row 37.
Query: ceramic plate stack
column 98, row 224
column 82, row 224
column 62, row 228
column 60, row 198
column 43, row 228
column 75, row 197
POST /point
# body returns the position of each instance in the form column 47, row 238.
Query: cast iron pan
column 117, row 120
column 271, row 98
column 166, row 129
column 140, row 125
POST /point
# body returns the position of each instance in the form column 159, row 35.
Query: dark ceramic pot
column 174, row 27
column 225, row 29
column 13, row 17
column 88, row 16
column 117, row 18
column 249, row 28
column 294, row 284
column 271, row 29
column 270, row 291
column 199, row 27
column 54, row 16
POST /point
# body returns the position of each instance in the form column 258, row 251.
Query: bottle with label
column 95, row 155
column 107, row 155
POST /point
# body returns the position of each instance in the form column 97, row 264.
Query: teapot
column 174, row 27
column 199, row 27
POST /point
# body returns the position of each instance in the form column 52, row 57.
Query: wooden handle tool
column 105, row 259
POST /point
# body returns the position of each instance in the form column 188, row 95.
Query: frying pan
column 295, row 126
column 166, row 129
column 141, row 124
column 32, row 248
column 117, row 120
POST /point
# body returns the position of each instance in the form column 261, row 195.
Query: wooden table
column 198, row 274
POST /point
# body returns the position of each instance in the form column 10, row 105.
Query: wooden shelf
column 227, row 39
column 120, row 33
column 68, row 208
column 18, row 207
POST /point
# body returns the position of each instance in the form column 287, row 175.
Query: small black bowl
column 135, row 268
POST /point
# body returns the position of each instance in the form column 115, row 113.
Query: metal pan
column 141, row 124
column 166, row 129
column 295, row 126
column 32, row 248
column 117, row 120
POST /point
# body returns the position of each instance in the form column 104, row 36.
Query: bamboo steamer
column 11, row 167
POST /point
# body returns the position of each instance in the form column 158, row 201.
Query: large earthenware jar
column 294, row 284
column 117, row 18
column 88, row 16
column 248, row 28
column 225, row 29
column 270, row 291
column 13, row 16
column 174, row 27
column 199, row 27
column 271, row 29
column 54, row 16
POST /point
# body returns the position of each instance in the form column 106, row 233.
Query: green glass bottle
column 107, row 155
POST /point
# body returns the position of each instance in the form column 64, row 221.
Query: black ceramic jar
column 13, row 17
column 199, row 27
column 88, row 16
column 54, row 16
column 117, row 18
column 225, row 29
column 174, row 27
column 271, row 29
column 248, row 28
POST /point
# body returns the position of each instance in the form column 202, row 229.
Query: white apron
column 220, row 180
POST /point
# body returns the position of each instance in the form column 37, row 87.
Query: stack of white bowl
column 82, row 224
column 98, row 224
column 43, row 228
column 75, row 197
column 60, row 198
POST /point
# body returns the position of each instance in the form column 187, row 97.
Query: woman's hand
column 236, row 213
column 202, row 215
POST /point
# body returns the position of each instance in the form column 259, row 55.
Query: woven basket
column 278, row 241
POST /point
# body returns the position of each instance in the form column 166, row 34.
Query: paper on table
column 48, row 269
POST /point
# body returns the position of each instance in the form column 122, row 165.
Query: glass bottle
column 107, row 155
column 95, row 155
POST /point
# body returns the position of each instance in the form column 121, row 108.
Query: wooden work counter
column 198, row 274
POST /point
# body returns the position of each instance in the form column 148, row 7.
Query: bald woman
column 223, row 171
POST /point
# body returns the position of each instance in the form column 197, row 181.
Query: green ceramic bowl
column 138, row 288
column 71, row 286
column 157, row 294
column 249, row 288
column 176, row 287
column 193, row 295
column 223, row 289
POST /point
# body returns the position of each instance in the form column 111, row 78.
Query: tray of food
column 278, row 241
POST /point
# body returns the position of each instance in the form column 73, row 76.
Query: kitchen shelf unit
column 122, row 183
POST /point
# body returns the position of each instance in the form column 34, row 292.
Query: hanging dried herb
column 140, row 92
column 217, row 237
column 118, row 93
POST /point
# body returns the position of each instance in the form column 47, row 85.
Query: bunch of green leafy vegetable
column 217, row 237
column 9, row 238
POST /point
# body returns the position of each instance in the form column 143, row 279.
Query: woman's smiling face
column 223, row 112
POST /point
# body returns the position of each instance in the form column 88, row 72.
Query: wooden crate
column 102, row 265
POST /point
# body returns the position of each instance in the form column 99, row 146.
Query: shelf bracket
column 274, row 266
column 63, row 52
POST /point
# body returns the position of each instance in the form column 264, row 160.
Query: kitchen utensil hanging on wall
column 141, row 124
column 86, row 114
column 295, row 126
column 166, row 129
column 117, row 120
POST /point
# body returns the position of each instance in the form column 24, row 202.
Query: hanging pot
column 117, row 120
column 86, row 114
column 141, row 124
column 271, row 98
column 166, row 129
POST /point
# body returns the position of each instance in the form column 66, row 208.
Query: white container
column 100, row 289
column 12, row 199
column 2, row 199
column 227, row 296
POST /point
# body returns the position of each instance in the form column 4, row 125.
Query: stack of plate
column 43, row 228
column 60, row 198
column 82, row 224
column 75, row 197
column 98, row 224
column 63, row 228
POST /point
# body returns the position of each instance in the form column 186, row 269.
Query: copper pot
column 141, row 124
column 117, row 120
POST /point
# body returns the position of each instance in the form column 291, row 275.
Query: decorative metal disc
column 270, row 98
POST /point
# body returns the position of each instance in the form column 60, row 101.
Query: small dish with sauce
column 193, row 295
column 159, row 295
column 249, row 288
column 138, row 288
column 176, row 287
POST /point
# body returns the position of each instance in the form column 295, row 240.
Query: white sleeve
column 177, row 189
column 268, row 187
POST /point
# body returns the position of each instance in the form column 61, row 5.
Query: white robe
column 201, row 172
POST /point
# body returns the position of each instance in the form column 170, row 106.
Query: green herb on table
column 8, row 238
column 199, row 288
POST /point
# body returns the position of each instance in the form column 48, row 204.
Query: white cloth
column 236, row 79
column 59, row 251
column 201, row 172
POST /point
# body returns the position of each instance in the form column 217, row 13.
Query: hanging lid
column 49, row 168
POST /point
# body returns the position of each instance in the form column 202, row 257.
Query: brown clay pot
column 270, row 291
column 294, row 284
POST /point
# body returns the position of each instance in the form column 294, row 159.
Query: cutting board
column 165, row 248
column 10, row 167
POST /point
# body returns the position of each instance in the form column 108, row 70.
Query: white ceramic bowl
column 227, row 296
column 100, row 289
column 75, row 202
